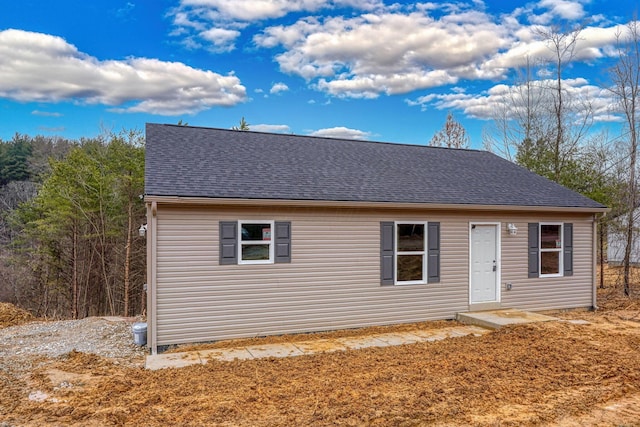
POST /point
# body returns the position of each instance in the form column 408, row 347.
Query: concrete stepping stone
column 274, row 350
column 320, row 346
column 356, row 343
column 172, row 360
column 225, row 354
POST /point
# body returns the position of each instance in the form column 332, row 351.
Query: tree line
column 69, row 214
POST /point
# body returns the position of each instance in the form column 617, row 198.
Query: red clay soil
column 556, row 373
column 10, row 315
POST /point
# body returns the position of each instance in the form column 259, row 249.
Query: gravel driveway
column 23, row 346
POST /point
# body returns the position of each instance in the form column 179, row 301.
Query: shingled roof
column 199, row 162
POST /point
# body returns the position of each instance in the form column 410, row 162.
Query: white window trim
column 560, row 251
column 424, row 253
column 256, row 242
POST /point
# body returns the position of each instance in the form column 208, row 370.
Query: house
column 253, row 234
column 617, row 239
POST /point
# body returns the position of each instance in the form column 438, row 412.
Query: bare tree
column 452, row 135
column 519, row 117
column 543, row 125
column 564, row 142
column 625, row 76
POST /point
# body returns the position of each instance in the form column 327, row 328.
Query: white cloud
column 546, row 12
column 360, row 4
column 183, row 21
column 259, row 10
column 565, row 9
column 278, row 87
column 390, row 52
column 132, row 85
column 222, row 40
column 253, row 10
column 270, row 128
column 592, row 43
column 341, row 132
column 232, row 15
column 287, row 36
column 509, row 100
column 46, row 113
column 371, row 86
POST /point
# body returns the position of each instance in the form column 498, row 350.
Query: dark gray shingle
column 219, row 163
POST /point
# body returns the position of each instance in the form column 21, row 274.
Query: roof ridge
column 331, row 138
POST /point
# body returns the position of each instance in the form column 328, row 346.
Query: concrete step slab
column 494, row 319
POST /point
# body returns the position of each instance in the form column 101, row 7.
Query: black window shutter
column 228, row 242
column 387, row 235
column 568, row 249
column 534, row 270
column 433, row 262
column 282, row 242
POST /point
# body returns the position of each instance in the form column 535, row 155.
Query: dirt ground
column 12, row 316
column 555, row 373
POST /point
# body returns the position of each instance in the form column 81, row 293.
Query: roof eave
column 358, row 204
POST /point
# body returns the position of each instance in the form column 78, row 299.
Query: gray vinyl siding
column 549, row 293
column 333, row 280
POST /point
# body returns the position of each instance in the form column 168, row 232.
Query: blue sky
column 367, row 69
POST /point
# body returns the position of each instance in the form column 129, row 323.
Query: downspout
column 594, row 275
column 152, row 241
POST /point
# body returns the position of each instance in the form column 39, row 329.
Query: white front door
column 484, row 242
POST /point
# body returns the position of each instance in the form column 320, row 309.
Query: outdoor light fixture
column 142, row 231
column 512, row 229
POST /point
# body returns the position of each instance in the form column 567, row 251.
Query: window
column 256, row 245
column 550, row 249
column 255, row 242
column 410, row 253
